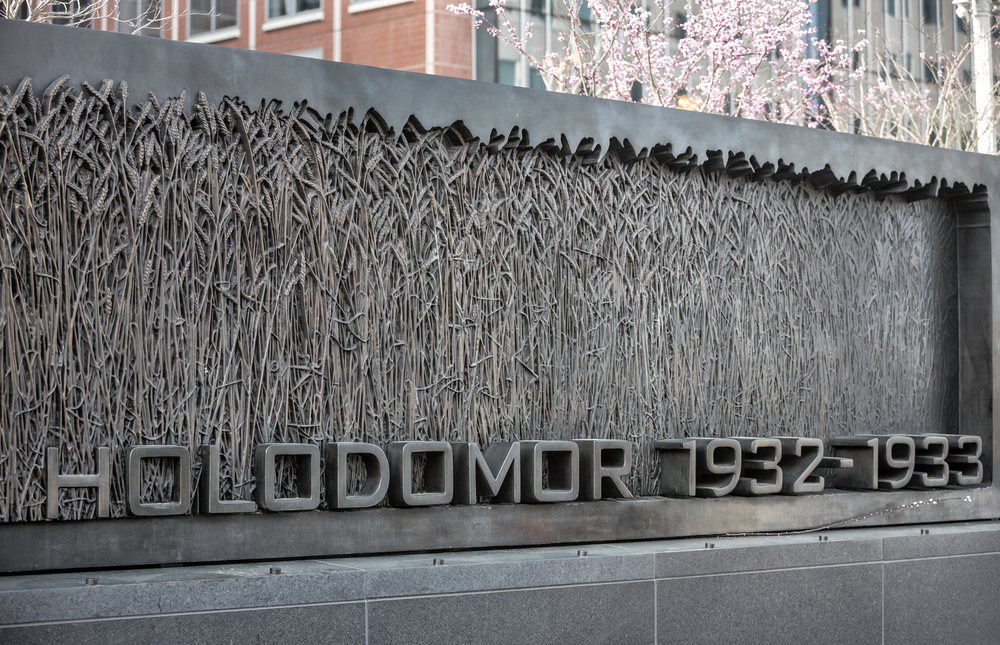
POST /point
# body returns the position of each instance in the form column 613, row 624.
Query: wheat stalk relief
column 238, row 274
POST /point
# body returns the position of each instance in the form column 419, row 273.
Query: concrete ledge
column 191, row 539
column 140, row 592
column 835, row 605
column 781, row 589
column 942, row 600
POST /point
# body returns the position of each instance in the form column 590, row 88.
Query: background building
column 423, row 36
column 410, row 35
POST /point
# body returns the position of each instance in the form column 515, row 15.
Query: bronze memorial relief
column 213, row 307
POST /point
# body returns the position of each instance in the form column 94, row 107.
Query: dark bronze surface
column 235, row 271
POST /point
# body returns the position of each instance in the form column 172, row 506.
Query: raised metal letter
column 800, row 457
column 181, row 502
column 101, row 480
column 677, row 467
column 895, row 470
column 376, row 479
column 931, row 468
column 603, row 462
column 718, row 469
column 563, row 459
column 963, row 459
column 497, row 474
column 437, row 478
column 710, row 467
column 760, row 474
column 208, row 487
column 307, row 479
column 863, row 454
column 877, row 461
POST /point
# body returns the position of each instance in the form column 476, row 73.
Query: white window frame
column 357, row 6
column 215, row 35
column 290, row 19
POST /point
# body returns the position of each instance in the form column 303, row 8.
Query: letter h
column 101, row 481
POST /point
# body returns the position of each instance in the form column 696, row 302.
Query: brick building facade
column 410, row 35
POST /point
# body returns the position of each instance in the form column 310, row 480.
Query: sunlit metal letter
column 963, row 459
column 101, row 480
column 307, row 476
column 562, row 461
column 437, row 476
column 800, row 456
column 884, row 461
column 702, row 467
column 760, row 474
column 376, row 475
column 863, row 453
column 181, row 502
column 603, row 463
column 208, row 487
column 898, row 458
column 496, row 475
column 677, row 467
column 931, row 468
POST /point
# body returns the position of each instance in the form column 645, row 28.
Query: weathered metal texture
column 341, row 284
column 208, row 270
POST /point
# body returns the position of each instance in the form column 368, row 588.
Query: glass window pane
column 930, row 12
column 506, row 72
column 71, row 12
column 307, row 5
column 128, row 11
column 535, row 81
column 486, row 50
column 200, row 19
column 226, row 14
column 151, row 17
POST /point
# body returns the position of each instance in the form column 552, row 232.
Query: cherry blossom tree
column 757, row 59
column 932, row 104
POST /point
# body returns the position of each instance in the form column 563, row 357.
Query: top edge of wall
column 44, row 53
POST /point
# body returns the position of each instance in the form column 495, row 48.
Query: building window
column 141, row 17
column 279, row 8
column 211, row 15
column 535, row 80
column 929, row 10
column 679, row 20
column 890, row 7
column 930, row 72
column 71, row 12
column 507, row 72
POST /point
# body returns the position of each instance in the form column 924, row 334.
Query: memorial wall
column 235, row 284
